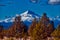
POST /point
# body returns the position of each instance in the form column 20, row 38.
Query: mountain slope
column 27, row 17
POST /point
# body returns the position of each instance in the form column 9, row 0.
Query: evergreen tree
column 38, row 33
column 18, row 28
column 42, row 28
column 44, row 19
column 50, row 27
column 1, row 28
column 1, row 31
column 33, row 25
column 56, row 32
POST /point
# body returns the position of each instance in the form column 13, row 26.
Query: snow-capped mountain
column 27, row 17
column 56, row 20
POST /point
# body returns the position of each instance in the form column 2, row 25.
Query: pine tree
column 39, row 32
column 1, row 28
column 1, row 31
column 50, row 27
column 44, row 19
column 18, row 28
column 42, row 28
column 32, row 26
column 56, row 32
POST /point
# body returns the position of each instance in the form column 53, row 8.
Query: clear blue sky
column 13, row 7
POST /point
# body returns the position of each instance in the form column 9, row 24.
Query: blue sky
column 13, row 7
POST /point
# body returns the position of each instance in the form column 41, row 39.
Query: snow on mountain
column 25, row 16
column 29, row 16
column 57, row 18
column 8, row 20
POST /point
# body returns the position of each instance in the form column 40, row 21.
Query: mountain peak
column 25, row 16
column 29, row 12
column 29, row 15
